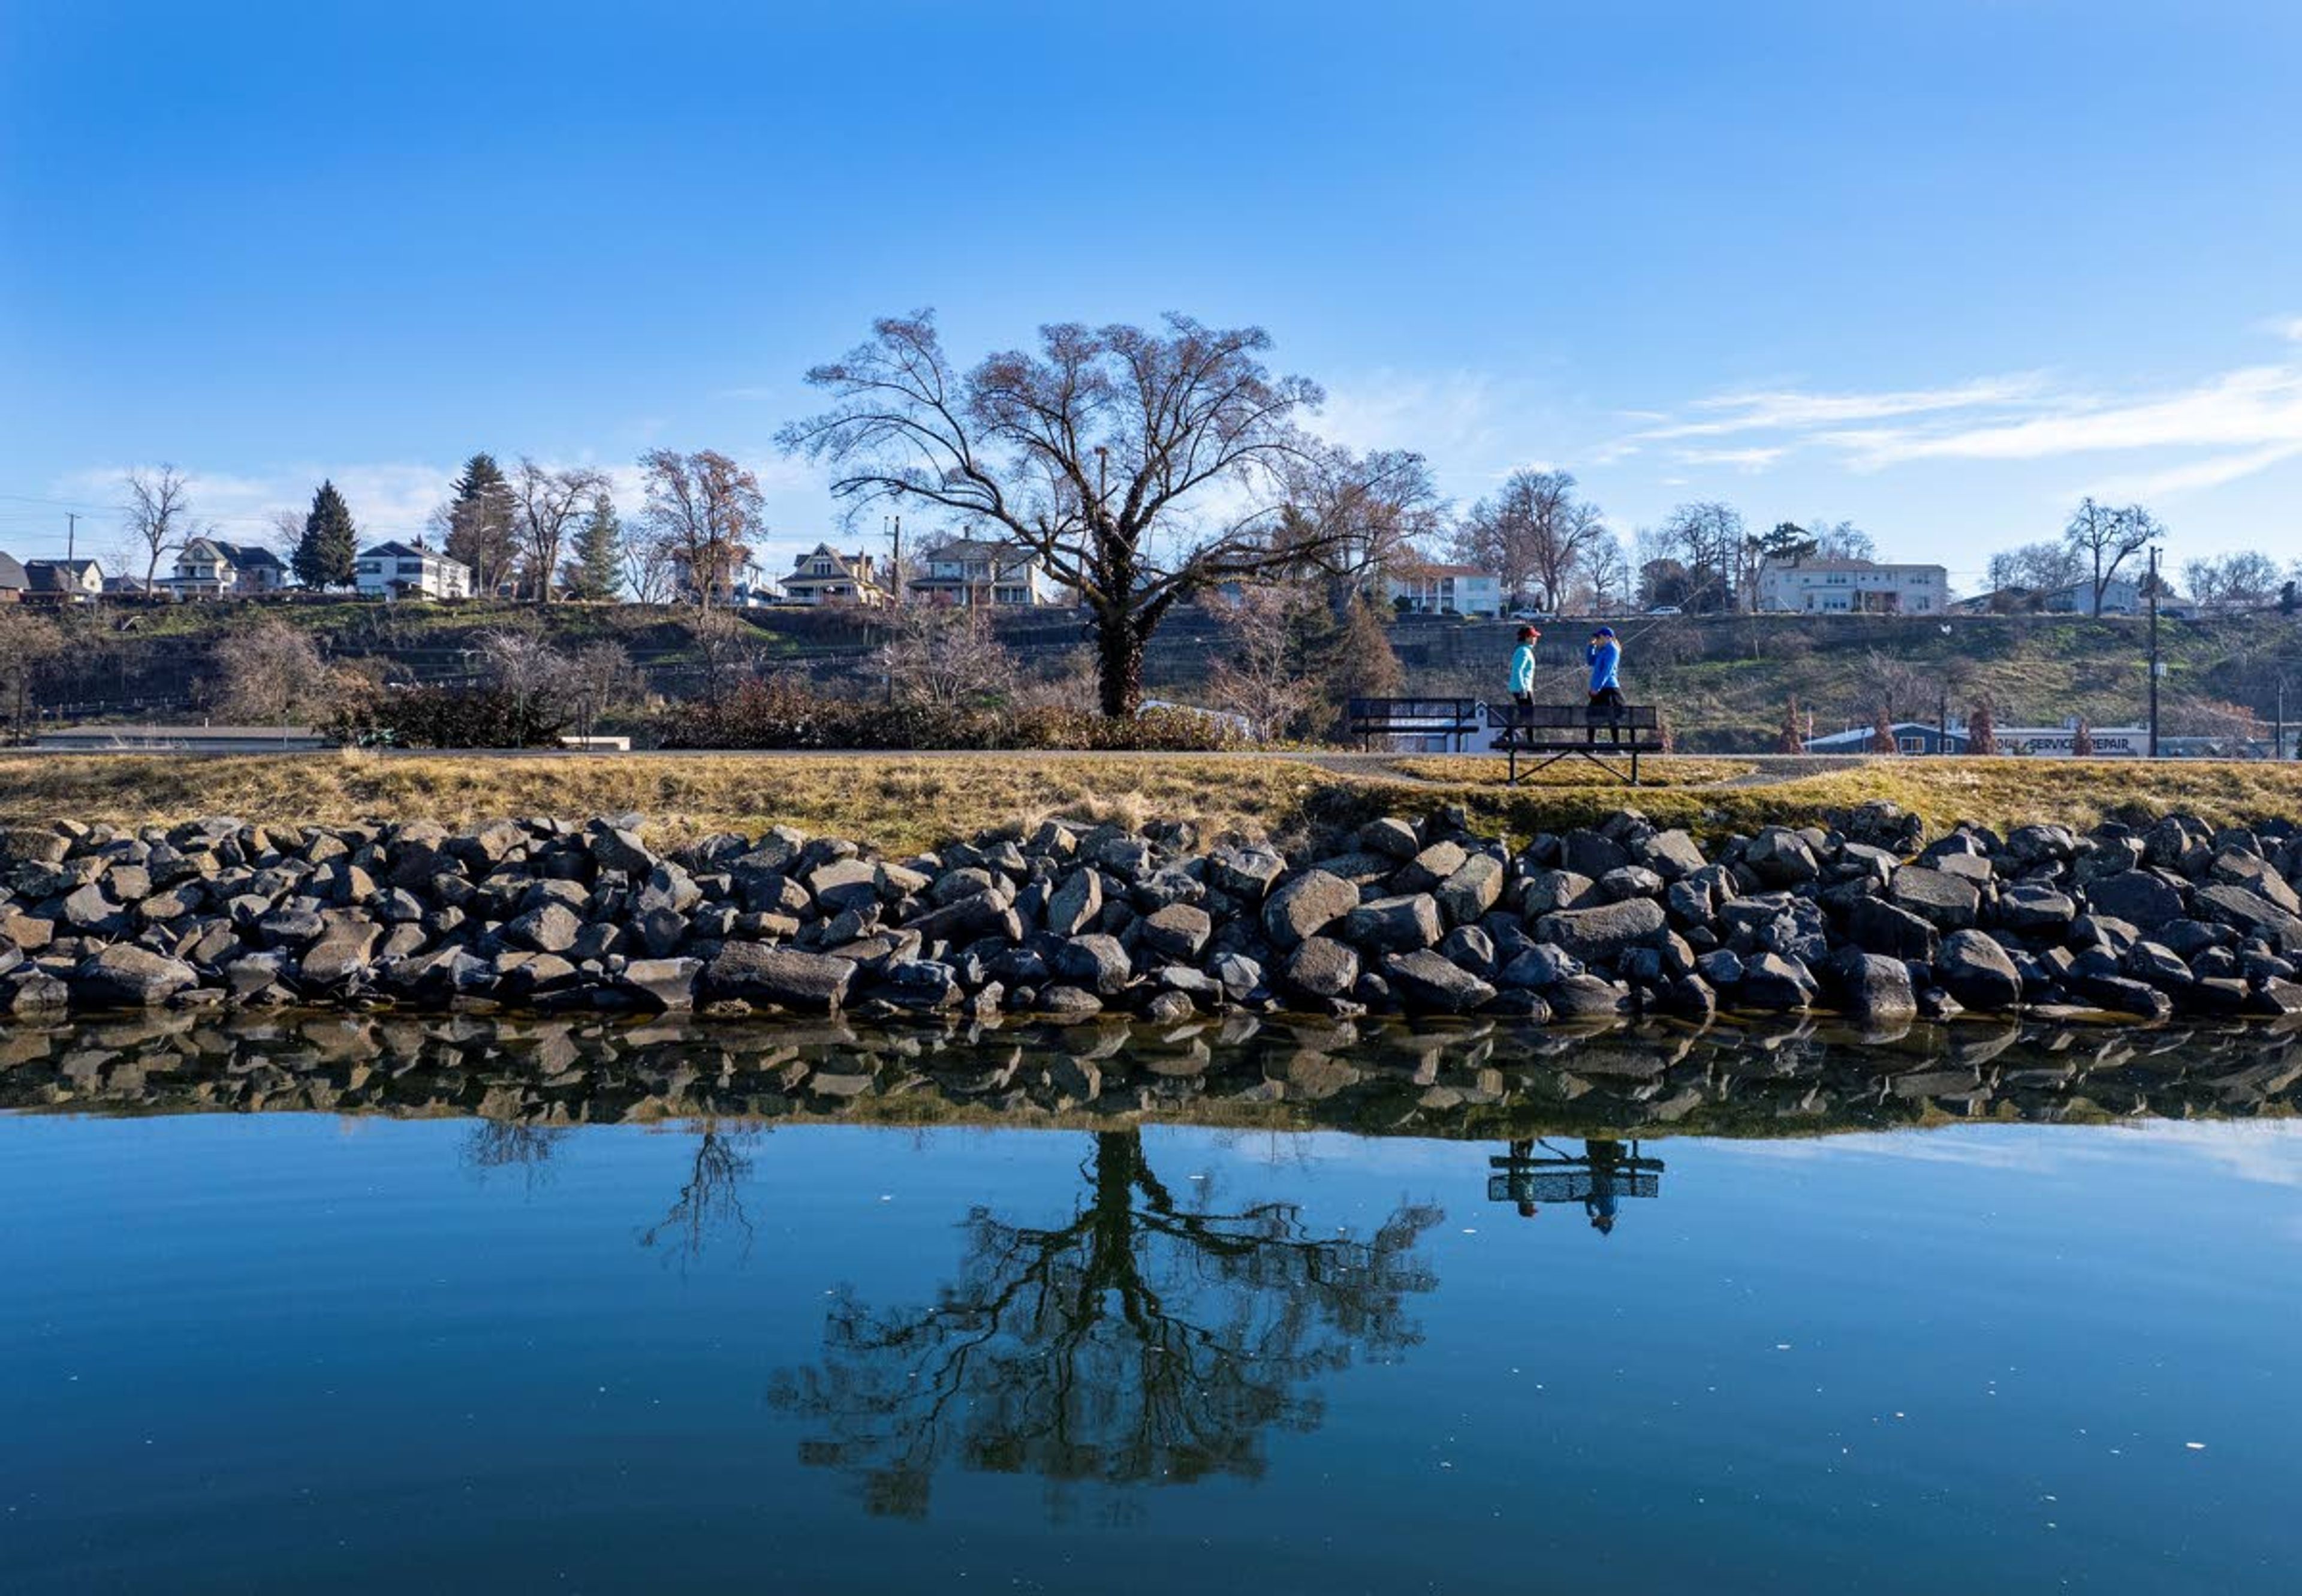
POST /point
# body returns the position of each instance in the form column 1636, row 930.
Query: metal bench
column 1456, row 719
column 1563, row 731
column 1522, row 1176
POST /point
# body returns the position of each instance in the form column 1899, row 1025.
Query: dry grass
column 908, row 802
column 1671, row 770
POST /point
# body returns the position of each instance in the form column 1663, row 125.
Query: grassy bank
column 904, row 802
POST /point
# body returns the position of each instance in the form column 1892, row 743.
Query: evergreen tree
column 481, row 531
column 1358, row 657
column 328, row 554
column 2082, row 741
column 597, row 571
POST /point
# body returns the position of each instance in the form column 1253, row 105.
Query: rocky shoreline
column 1859, row 915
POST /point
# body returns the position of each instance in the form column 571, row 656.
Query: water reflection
column 1143, row 1340
column 1599, row 1177
column 526, row 1078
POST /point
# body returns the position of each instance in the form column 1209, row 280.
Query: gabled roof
column 247, row 556
column 398, row 550
column 849, row 566
column 12, row 573
column 59, row 575
column 978, row 549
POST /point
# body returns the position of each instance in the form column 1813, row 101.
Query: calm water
column 296, row 1351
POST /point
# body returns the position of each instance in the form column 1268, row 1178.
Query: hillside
column 1725, row 681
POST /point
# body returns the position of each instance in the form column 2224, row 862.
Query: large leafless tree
column 1357, row 517
column 159, row 515
column 1141, row 467
column 2103, row 539
column 546, row 506
column 1535, row 532
column 704, row 511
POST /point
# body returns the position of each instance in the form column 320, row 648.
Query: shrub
column 463, row 717
column 782, row 714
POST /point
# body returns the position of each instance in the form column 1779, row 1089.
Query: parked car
column 1528, row 614
column 1666, row 609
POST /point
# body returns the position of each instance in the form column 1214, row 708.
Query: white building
column 410, row 571
column 1446, row 590
column 1853, row 587
column 970, row 573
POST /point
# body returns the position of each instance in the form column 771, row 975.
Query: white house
column 1853, row 587
column 209, row 569
column 970, row 574
column 410, row 571
column 824, row 575
column 1446, row 590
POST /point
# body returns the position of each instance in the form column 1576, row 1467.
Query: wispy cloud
column 2184, row 438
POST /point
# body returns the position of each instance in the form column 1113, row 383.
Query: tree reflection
column 1143, row 1341
column 509, row 1143
column 711, row 1201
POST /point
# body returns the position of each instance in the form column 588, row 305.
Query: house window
column 1911, row 744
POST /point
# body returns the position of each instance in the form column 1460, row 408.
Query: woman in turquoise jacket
column 1522, row 668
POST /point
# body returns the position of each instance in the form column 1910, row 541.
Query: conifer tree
column 597, row 571
column 2082, row 741
column 1790, row 741
column 328, row 554
column 479, row 523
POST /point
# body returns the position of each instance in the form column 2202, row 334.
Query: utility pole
column 2156, row 667
column 1942, row 723
column 72, row 535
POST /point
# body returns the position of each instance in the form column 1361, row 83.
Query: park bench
column 1563, row 731
column 1521, row 1177
column 1456, row 719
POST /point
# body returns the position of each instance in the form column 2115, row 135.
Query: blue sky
column 1938, row 267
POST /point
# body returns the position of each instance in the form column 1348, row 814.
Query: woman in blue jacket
column 1606, row 657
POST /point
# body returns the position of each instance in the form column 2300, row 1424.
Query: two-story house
column 824, row 575
column 1853, row 587
column 971, row 573
column 1445, row 590
column 410, row 571
column 210, row 568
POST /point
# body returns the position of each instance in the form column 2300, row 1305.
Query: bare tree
column 286, row 533
column 1707, row 538
column 1142, row 468
column 2233, row 580
column 159, row 515
column 944, row 655
column 2103, row 539
column 705, row 512
column 1262, row 676
column 598, row 677
column 546, row 507
column 272, row 674
column 1607, row 570
column 1841, row 539
column 730, row 647
column 649, row 569
column 2037, row 567
column 1535, row 532
column 524, row 665
column 1357, row 515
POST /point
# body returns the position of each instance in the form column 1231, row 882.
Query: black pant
column 1608, row 698
column 1525, row 703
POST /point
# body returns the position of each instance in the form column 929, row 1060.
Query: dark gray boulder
column 1424, row 980
column 761, row 972
column 1605, row 932
column 1977, row 971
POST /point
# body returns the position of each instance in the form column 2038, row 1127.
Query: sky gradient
column 1938, row 268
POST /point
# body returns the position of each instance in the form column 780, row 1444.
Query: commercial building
column 1853, row 587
